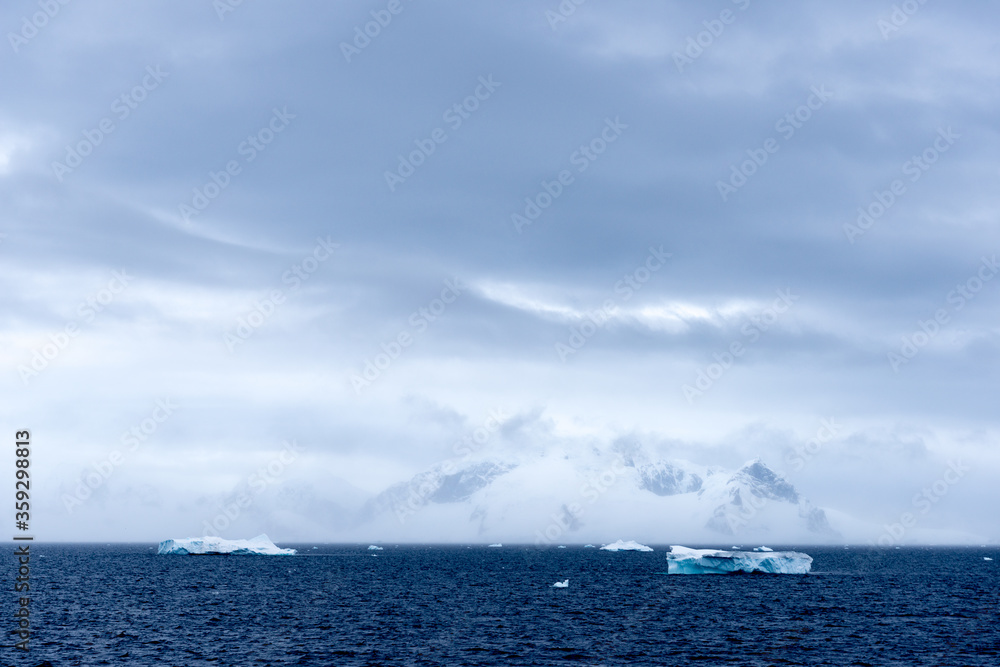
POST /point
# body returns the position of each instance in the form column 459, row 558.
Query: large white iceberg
column 682, row 560
column 206, row 546
column 631, row 545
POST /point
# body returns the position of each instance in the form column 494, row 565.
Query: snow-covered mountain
column 595, row 495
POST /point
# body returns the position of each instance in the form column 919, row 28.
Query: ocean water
column 457, row 605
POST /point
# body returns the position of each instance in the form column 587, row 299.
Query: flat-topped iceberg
column 215, row 546
column 620, row 545
column 682, row 560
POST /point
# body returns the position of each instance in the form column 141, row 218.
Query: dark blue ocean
column 457, row 605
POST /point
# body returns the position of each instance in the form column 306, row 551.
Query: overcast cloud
column 703, row 226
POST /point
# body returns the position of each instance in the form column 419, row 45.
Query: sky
column 336, row 238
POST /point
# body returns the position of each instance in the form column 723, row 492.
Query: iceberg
column 496, row 545
column 374, row 547
column 561, row 584
column 682, row 560
column 987, row 558
column 763, row 549
column 217, row 546
column 631, row 545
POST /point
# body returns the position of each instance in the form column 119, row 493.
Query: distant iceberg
column 217, row 546
column 589, row 546
column 496, row 545
column 682, row 560
column 763, row 549
column 374, row 547
column 561, row 584
column 987, row 558
column 631, row 545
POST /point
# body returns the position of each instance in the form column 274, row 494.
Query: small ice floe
column 561, row 584
column 987, row 558
column 589, row 546
column 561, row 546
column 496, row 545
column 735, row 548
column 315, row 547
column 374, row 547
column 763, row 549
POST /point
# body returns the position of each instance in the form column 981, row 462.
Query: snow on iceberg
column 631, row 545
column 682, row 560
column 214, row 546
